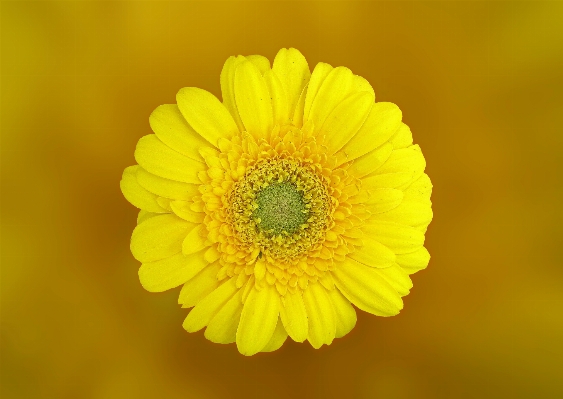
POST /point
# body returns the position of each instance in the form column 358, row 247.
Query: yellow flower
column 280, row 207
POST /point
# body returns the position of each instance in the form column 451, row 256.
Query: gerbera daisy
column 279, row 208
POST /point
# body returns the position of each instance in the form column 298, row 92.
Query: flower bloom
column 280, row 207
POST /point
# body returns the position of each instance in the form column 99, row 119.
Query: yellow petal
column 327, row 281
column 366, row 289
column 260, row 62
column 211, row 156
column 410, row 213
column 169, row 125
column 292, row 69
column 322, row 319
column 387, row 180
column 373, row 253
column 159, row 237
column 371, row 161
column 414, row 261
column 294, row 316
column 144, row 215
column 202, row 284
column 346, row 119
column 402, row 138
column 205, row 114
column 183, row 209
column 195, row 240
column 383, row 199
column 207, row 308
column 318, row 76
column 136, row 194
column 383, row 120
column 337, row 85
column 397, row 278
column 166, row 188
column 361, row 84
column 248, row 287
column 278, row 338
column 212, row 254
column 259, row 269
column 228, row 88
column 258, row 320
column 164, row 203
column 345, row 313
column 222, row 329
column 399, row 238
column 253, row 100
column 420, row 190
column 297, row 118
column 403, row 167
column 159, row 159
column 279, row 98
column 171, row 272
column 228, row 82
column 404, row 160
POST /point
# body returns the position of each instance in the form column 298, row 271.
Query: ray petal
column 321, row 315
column 253, row 100
column 373, row 253
column 292, row 69
column 159, row 237
column 206, row 114
column 159, row 159
column 366, row 289
column 201, row 285
column 167, row 188
column 169, row 125
column 397, row 278
column 171, row 272
column 228, row 87
column 208, row 307
column 294, row 316
column 279, row 98
column 413, row 262
column 382, row 122
column 346, row 119
column 318, row 76
column 137, row 194
column 278, row 338
column 222, row 328
column 258, row 320
column 399, row 238
column 345, row 313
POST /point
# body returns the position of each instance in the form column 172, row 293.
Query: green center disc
column 280, row 208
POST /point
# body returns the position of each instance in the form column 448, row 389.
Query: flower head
column 280, row 207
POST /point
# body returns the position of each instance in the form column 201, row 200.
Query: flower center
column 281, row 209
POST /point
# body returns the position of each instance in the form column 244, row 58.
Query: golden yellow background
column 480, row 85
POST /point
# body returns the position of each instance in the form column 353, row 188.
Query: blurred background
column 480, row 85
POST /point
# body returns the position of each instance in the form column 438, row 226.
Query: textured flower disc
column 278, row 209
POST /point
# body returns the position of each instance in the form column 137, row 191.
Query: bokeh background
column 480, row 85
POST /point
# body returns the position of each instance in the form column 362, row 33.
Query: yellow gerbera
column 280, row 207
